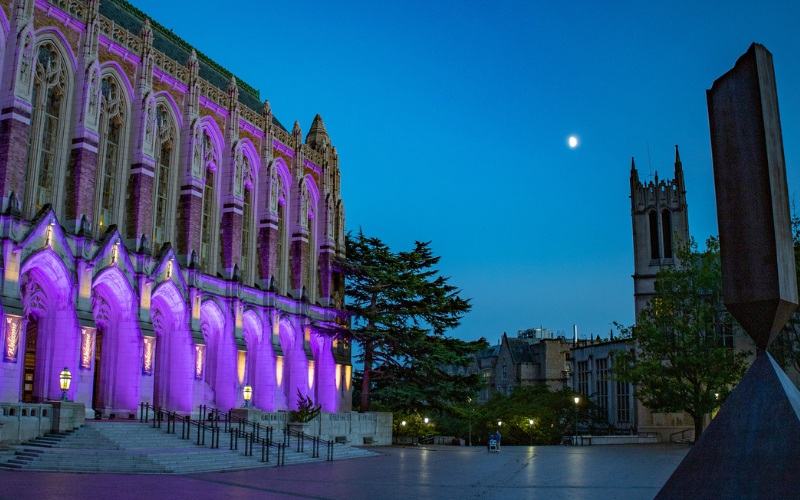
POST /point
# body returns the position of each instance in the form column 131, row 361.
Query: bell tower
column 660, row 224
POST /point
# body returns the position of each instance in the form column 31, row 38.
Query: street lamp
column 65, row 378
column 499, row 423
column 248, row 393
column 530, row 422
column 469, row 417
column 426, row 420
column 577, row 400
column 403, row 423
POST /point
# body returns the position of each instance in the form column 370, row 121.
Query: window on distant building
column 723, row 327
column 505, row 371
column 655, row 250
column 623, row 403
column 666, row 229
column 602, row 383
column 583, row 377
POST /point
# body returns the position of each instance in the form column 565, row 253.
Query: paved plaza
column 439, row 472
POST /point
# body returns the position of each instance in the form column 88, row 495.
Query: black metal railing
column 252, row 434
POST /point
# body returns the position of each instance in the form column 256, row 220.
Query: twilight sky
column 451, row 120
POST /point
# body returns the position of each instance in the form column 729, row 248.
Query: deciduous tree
column 680, row 362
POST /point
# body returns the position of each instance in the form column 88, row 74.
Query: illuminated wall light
column 347, row 370
column 199, row 361
column 279, row 370
column 242, row 364
column 13, row 332
column 87, row 347
column 149, row 352
column 338, row 377
column 310, row 374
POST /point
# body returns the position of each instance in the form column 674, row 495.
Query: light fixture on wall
column 248, row 393
column 65, row 378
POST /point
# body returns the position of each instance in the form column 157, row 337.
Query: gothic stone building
column 164, row 237
column 522, row 361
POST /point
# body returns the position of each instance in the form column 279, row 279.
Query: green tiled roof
column 129, row 17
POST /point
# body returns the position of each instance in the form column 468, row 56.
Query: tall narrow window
column 205, row 232
column 602, row 383
column 279, row 246
column 111, row 121
column 666, row 228
column 247, row 220
column 49, row 90
column 163, row 163
column 655, row 251
column 310, row 258
column 623, row 403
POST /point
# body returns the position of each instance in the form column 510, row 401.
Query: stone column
column 139, row 206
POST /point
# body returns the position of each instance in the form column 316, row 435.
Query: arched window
column 163, row 149
column 44, row 142
column 247, row 222
column 655, row 251
column 207, row 159
column 666, row 228
column 112, row 116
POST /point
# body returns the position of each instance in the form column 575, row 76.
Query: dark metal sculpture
column 751, row 450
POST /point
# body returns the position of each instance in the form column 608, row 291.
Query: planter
column 300, row 427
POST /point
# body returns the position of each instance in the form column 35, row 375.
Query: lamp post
column 469, row 417
column 65, row 378
column 248, row 393
column 426, row 420
column 530, row 422
column 577, row 400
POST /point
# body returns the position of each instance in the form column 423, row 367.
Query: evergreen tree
column 680, row 363
column 400, row 309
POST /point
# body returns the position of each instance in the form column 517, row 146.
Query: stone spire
column 297, row 132
column 679, row 172
column 317, row 137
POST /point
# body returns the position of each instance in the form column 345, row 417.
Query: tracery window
column 112, row 115
column 206, row 149
column 164, row 148
column 49, row 104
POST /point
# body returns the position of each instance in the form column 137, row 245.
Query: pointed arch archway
column 221, row 354
column 118, row 343
column 174, row 357
column 51, row 337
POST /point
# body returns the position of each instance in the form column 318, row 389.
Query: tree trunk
column 365, row 381
column 368, row 348
column 698, row 427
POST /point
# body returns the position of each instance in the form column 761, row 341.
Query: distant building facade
column 525, row 360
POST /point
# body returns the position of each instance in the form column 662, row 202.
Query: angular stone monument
column 751, row 450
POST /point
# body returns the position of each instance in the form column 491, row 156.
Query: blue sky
column 451, row 121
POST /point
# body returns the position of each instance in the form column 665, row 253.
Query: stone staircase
column 137, row 448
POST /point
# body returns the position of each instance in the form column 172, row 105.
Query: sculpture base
column 752, row 447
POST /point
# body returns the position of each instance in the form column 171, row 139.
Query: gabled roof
column 520, row 351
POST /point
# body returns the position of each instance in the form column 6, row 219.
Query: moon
column 573, row 141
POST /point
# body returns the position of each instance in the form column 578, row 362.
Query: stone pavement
column 437, row 472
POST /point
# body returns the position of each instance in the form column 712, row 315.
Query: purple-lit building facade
column 163, row 235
